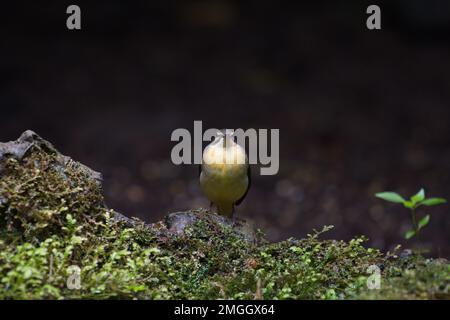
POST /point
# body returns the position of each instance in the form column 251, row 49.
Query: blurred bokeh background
column 359, row 111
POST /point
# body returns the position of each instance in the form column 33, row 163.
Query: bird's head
column 226, row 137
column 224, row 150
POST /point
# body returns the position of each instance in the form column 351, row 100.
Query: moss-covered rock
column 53, row 221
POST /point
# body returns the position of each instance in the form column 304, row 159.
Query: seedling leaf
column 409, row 234
column 433, row 201
column 424, row 221
column 409, row 204
column 419, row 196
column 390, row 196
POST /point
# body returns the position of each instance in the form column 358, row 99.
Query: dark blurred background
column 359, row 111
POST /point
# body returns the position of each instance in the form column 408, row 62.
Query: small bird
column 225, row 173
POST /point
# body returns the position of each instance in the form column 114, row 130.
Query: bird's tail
column 225, row 209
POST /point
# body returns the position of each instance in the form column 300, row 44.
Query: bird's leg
column 225, row 209
column 233, row 216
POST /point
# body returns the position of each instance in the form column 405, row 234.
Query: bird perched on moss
column 225, row 173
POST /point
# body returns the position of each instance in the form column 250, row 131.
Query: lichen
column 53, row 217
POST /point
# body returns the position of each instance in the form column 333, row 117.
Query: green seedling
column 412, row 204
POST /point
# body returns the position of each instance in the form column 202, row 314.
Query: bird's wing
column 249, row 176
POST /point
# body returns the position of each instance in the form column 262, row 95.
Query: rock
column 30, row 142
column 405, row 254
column 437, row 261
column 177, row 223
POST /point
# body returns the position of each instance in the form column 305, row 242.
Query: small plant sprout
column 412, row 204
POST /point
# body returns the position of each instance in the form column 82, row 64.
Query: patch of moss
column 52, row 217
column 40, row 196
column 413, row 278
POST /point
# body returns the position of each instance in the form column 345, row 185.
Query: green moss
column 413, row 278
column 52, row 217
column 40, row 195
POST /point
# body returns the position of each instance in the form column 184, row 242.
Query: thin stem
column 414, row 222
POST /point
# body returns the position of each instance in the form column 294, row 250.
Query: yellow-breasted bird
column 225, row 173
